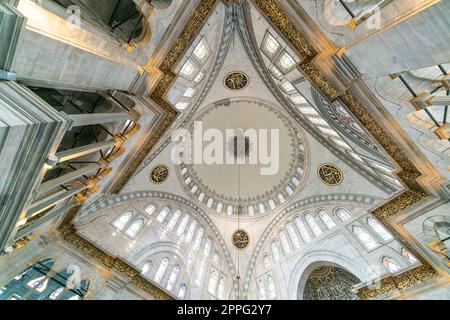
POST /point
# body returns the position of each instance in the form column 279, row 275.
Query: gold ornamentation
column 236, row 81
column 241, row 239
column 159, row 174
column 180, row 45
column 330, row 174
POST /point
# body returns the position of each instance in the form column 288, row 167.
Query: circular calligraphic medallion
column 159, row 174
column 241, row 239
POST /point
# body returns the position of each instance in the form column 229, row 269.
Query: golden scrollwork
column 175, row 53
column 399, row 282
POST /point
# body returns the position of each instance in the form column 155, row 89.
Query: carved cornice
column 69, row 234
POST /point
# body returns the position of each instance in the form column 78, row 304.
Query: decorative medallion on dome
column 159, row 174
column 330, row 174
column 241, row 239
column 236, row 81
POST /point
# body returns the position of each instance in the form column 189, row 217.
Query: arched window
column 378, row 228
column 391, row 265
column 163, row 214
column 161, row 270
column 285, row 243
column 275, row 251
column 134, row 228
column 182, row 291
column 343, row 214
column 191, row 230
column 212, row 284
column 271, row 287
column 326, row 219
column 174, row 219
column 313, row 224
column 266, row 261
column 261, row 290
column 183, row 224
column 221, row 289
column 215, row 258
column 150, row 209
column 306, row 236
column 122, row 220
column 408, row 255
column 147, row 267
column 293, row 235
column 173, row 278
column 198, row 237
column 272, row 204
column 207, row 248
column 39, row 284
column 368, row 241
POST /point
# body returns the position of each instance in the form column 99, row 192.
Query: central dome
column 262, row 185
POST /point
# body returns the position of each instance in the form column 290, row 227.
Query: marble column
column 52, row 52
column 416, row 38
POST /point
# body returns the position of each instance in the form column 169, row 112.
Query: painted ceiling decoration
column 216, row 185
column 303, row 105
